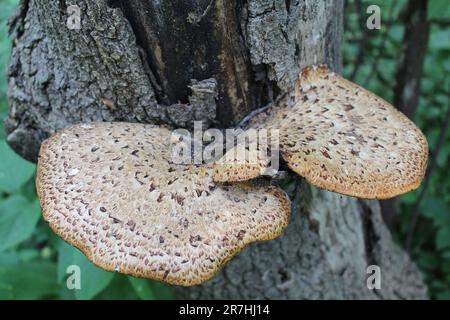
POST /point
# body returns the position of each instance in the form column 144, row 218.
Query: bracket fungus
column 343, row 138
column 111, row 190
column 114, row 191
column 247, row 160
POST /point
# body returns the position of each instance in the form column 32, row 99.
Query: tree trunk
column 135, row 61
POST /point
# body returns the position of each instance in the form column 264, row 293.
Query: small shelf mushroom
column 248, row 160
column 343, row 138
column 111, row 190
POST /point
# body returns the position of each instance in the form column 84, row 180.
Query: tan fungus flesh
column 111, row 190
column 346, row 139
column 242, row 164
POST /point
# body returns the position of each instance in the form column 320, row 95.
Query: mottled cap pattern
column 111, row 190
column 245, row 161
column 346, row 139
column 342, row 138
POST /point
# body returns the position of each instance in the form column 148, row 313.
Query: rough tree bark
column 134, row 61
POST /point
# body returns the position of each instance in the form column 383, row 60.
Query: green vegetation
column 431, row 239
column 33, row 261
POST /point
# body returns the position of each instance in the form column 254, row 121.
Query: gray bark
column 135, row 61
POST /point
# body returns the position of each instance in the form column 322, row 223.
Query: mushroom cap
column 239, row 171
column 342, row 138
column 245, row 161
column 346, row 139
column 111, row 190
column 235, row 166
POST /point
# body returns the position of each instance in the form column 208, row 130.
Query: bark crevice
column 145, row 40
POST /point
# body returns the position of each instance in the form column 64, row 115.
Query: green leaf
column 409, row 198
column 18, row 218
column 439, row 41
column 438, row 9
column 93, row 279
column 9, row 258
column 143, row 288
column 443, row 295
column 396, row 32
column 436, row 210
column 428, row 260
column 443, row 238
column 33, row 280
column 446, row 255
column 119, row 289
column 14, row 171
column 28, row 190
column 162, row 291
column 26, row 255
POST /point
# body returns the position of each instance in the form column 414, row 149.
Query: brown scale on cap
column 346, row 139
column 111, row 190
column 239, row 171
column 236, row 165
column 245, row 161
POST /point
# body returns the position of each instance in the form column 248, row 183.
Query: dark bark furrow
column 60, row 76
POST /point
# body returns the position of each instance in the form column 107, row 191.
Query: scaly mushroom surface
column 112, row 190
column 247, row 160
column 343, row 138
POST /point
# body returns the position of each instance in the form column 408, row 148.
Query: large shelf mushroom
column 342, row 138
column 111, row 190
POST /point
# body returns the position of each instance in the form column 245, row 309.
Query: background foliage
column 33, row 261
column 431, row 238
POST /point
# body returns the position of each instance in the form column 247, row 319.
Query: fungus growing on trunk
column 345, row 139
column 112, row 190
column 245, row 161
